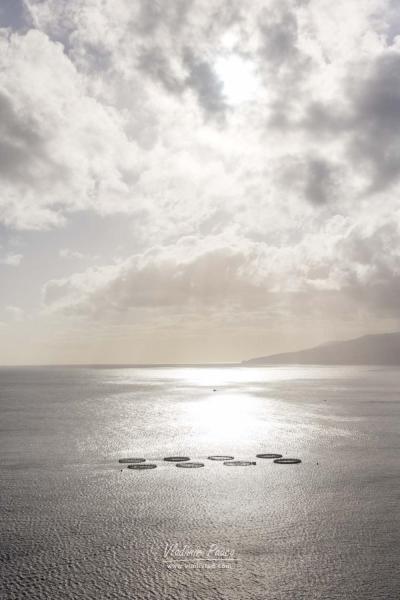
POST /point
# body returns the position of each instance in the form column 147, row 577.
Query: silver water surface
column 77, row 524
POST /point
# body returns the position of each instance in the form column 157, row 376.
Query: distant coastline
column 379, row 349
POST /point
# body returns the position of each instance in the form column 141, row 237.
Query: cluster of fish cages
column 185, row 462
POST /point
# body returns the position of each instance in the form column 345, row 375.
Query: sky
column 191, row 181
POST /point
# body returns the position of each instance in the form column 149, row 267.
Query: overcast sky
column 196, row 180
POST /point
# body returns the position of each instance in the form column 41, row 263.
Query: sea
column 77, row 524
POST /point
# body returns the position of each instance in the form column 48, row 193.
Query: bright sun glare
column 238, row 78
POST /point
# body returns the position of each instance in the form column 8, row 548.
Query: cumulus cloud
column 360, row 263
column 61, row 150
column 163, row 277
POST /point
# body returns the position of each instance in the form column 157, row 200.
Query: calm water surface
column 76, row 526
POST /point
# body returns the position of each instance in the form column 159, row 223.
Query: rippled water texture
column 75, row 523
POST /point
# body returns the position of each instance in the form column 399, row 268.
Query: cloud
column 163, row 277
column 376, row 120
column 279, row 32
column 206, row 85
column 320, row 184
column 15, row 312
column 11, row 260
column 333, row 265
column 366, row 119
column 99, row 104
column 61, row 150
column 265, row 204
column 21, row 141
column 154, row 63
column 70, row 254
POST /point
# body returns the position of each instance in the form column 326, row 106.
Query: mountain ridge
column 370, row 349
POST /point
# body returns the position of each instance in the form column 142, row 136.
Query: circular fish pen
column 220, row 457
column 287, row 461
column 269, row 455
column 239, row 463
column 142, row 466
column 190, row 465
column 131, row 460
column 177, row 458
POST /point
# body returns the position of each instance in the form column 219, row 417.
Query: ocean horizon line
column 121, row 365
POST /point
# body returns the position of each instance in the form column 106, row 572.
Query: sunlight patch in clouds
column 240, row 83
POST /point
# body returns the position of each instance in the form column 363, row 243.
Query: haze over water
column 76, row 526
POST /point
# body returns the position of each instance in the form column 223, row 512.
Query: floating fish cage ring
column 238, row 463
column 142, row 466
column 287, row 461
column 177, row 458
column 132, row 460
column 190, row 465
column 220, row 457
column 269, row 455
